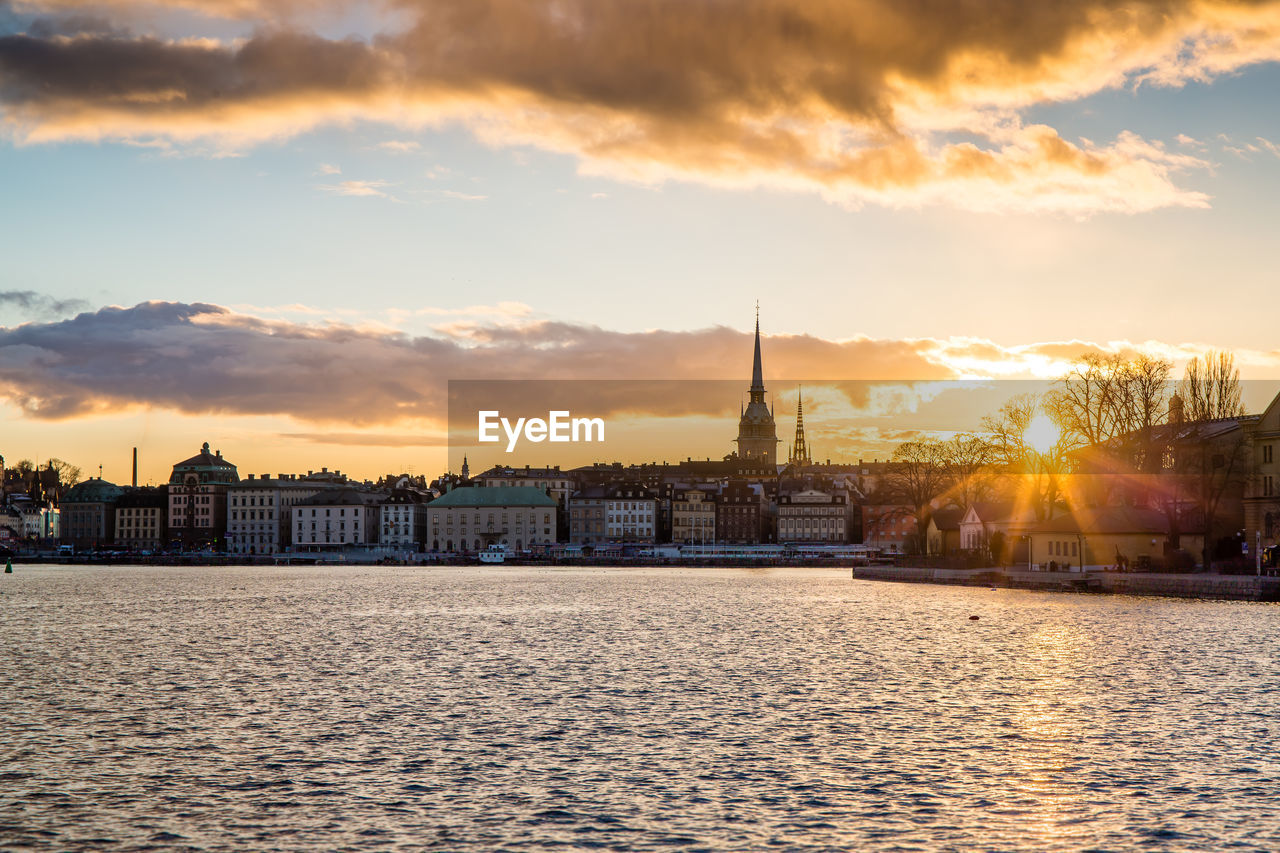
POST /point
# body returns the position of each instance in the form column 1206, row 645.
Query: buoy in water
column 973, row 618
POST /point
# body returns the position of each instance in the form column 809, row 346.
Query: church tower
column 799, row 450
column 757, row 434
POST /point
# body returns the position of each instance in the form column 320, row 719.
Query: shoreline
column 1214, row 587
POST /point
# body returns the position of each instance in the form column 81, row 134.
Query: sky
column 282, row 226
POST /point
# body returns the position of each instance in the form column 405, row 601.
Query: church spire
column 757, row 370
column 799, row 449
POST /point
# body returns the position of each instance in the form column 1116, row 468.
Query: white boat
column 495, row 553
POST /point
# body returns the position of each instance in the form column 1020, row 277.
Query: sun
column 1042, row 434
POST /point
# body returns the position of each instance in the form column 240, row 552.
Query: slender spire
column 800, row 450
column 757, row 370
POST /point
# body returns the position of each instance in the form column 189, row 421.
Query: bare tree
column 917, row 474
column 1210, row 387
column 68, row 474
column 969, row 462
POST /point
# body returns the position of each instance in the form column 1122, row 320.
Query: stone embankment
column 1210, row 586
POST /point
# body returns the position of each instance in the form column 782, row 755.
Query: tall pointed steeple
column 757, row 436
column 757, row 369
column 799, row 449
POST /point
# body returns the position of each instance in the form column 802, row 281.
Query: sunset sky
column 282, row 225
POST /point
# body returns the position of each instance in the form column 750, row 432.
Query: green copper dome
column 93, row 490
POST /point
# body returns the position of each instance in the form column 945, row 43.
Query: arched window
column 1269, row 526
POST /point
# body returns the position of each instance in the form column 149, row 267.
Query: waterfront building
column 471, row 518
column 630, row 513
column 812, row 516
column 586, row 516
column 943, row 532
column 738, row 513
column 404, row 519
column 336, row 519
column 1262, row 494
column 757, row 433
column 889, row 528
column 88, row 513
column 260, row 508
column 552, row 481
column 693, row 516
column 141, row 518
column 198, row 501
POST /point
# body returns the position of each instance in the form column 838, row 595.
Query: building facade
column 337, row 519
column 260, row 509
column 404, row 519
column 693, row 516
column 738, row 514
column 630, row 513
column 1262, row 494
column 198, row 501
column 586, row 516
column 89, row 513
column 141, row 516
column 472, row 518
column 811, row 516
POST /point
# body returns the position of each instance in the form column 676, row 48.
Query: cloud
column 207, row 359
column 358, row 188
column 399, row 146
column 37, row 306
column 328, row 169
column 893, row 102
column 462, row 196
column 370, row 439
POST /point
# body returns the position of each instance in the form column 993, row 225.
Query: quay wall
column 1207, row 586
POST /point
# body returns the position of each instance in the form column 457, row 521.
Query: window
column 1266, row 453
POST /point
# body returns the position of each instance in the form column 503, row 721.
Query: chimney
column 135, row 467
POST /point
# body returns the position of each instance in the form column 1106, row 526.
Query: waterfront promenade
column 1200, row 585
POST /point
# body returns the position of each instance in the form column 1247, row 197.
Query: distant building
column 811, row 516
column 198, row 501
column 88, row 513
column 693, row 516
column 586, row 515
column 471, row 518
column 888, row 527
column 1262, row 495
column 943, row 533
column 336, row 519
column 260, row 509
column 404, row 519
column 630, row 513
column 738, row 513
column 141, row 518
column 552, row 481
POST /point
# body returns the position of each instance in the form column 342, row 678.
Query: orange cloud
column 207, row 359
column 871, row 101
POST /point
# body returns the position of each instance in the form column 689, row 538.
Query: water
column 512, row 708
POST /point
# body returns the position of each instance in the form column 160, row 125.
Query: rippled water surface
column 510, row 708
